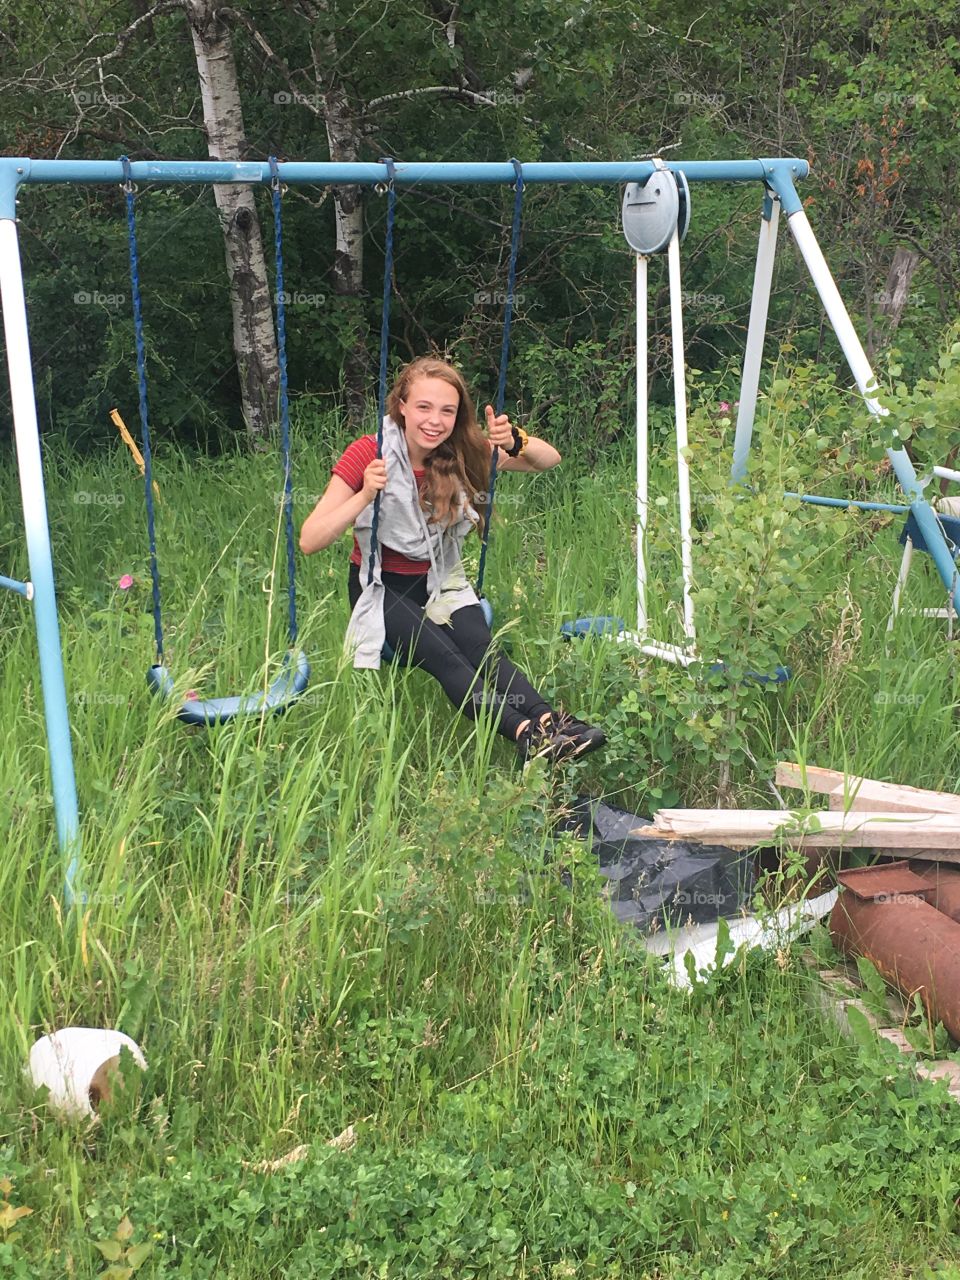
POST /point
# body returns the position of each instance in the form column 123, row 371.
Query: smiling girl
column 432, row 478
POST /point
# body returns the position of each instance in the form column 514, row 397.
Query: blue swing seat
column 204, row 712
column 387, row 654
column 951, row 531
column 608, row 625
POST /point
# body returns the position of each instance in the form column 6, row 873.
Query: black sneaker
column 571, row 738
column 535, row 742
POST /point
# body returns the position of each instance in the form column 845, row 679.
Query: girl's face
column 429, row 414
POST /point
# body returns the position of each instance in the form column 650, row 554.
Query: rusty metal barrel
column 882, row 914
column 945, row 882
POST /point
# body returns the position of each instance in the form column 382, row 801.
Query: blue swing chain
column 275, row 192
column 504, row 358
column 384, row 345
column 129, row 192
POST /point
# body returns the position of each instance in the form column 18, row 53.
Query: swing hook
column 381, row 188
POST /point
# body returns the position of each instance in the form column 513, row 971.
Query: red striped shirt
column 350, row 467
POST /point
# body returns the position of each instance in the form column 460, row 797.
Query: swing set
column 657, row 198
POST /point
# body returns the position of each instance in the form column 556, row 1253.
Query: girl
column 433, row 473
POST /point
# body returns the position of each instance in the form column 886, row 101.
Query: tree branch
column 440, row 90
column 303, row 99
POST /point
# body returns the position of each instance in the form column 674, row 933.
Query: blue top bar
column 224, row 171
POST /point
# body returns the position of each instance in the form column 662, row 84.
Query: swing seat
column 599, row 625
column 608, row 626
column 387, row 654
column 779, row 675
column 912, row 540
column 206, row 712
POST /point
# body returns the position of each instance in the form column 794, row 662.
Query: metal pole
column 680, row 409
column 815, row 500
column 756, row 332
column 39, row 553
column 866, row 381
column 642, row 443
column 781, row 170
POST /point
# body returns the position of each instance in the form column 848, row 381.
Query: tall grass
column 357, row 913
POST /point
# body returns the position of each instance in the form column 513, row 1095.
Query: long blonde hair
column 461, row 464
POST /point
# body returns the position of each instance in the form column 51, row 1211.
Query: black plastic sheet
column 652, row 883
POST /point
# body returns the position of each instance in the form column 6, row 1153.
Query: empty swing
column 655, row 218
column 387, row 652
column 295, row 670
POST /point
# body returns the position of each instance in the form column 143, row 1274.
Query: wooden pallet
column 840, row 989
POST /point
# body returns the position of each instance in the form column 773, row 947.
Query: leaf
column 875, row 989
column 860, row 1027
column 9, row 1216
column 139, row 1254
column 112, row 1250
column 125, row 1229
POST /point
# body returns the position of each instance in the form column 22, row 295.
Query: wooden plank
column 747, row 828
column 951, row 856
column 864, row 795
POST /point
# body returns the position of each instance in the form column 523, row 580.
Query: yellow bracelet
column 520, row 442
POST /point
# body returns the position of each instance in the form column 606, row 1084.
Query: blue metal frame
column 777, row 175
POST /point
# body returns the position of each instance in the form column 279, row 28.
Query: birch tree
column 254, row 340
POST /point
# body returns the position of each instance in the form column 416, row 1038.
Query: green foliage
column 924, row 417
column 870, row 98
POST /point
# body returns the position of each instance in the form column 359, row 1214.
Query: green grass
column 356, row 914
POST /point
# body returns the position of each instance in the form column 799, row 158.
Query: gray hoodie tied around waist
column 404, row 528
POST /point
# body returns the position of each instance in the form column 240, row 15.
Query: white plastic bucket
column 76, row 1065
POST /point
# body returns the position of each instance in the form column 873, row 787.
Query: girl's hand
column 374, row 478
column 499, row 430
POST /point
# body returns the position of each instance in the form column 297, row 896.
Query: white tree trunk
column 347, row 273
column 254, row 338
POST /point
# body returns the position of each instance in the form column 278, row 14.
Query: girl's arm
column 339, row 507
column 537, row 456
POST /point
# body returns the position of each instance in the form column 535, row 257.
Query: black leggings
column 460, row 655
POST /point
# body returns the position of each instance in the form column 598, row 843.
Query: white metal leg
column 836, row 312
column 642, row 442
column 756, row 332
column 39, row 552
column 680, row 410
column 677, row 654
